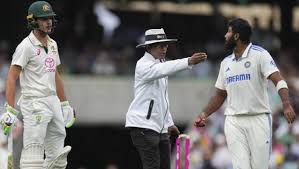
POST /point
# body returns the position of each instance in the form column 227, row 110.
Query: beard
column 45, row 29
column 230, row 44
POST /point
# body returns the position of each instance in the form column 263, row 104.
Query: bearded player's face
column 45, row 24
column 230, row 42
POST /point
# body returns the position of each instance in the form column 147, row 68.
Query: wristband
column 281, row 85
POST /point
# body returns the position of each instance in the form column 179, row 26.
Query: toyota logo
column 49, row 62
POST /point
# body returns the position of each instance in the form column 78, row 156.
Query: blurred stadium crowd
column 89, row 48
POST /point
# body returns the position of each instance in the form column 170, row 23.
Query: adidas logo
column 228, row 69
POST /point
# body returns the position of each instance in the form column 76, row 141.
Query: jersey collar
column 35, row 41
column 244, row 55
column 151, row 57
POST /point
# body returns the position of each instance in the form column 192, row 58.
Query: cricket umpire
column 148, row 117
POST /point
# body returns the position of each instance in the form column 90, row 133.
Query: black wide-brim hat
column 155, row 36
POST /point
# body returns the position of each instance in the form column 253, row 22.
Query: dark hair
column 242, row 27
column 149, row 47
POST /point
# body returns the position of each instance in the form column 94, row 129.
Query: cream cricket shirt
column 245, row 81
column 37, row 78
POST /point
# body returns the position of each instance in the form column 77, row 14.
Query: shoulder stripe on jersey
column 261, row 49
column 257, row 47
column 229, row 56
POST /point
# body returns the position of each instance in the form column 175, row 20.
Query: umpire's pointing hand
column 197, row 58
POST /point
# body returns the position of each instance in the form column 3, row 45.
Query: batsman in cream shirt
column 39, row 67
column 39, row 103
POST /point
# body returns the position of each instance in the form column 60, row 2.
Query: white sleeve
column 151, row 71
column 220, row 83
column 169, row 121
column 267, row 63
column 58, row 62
column 21, row 56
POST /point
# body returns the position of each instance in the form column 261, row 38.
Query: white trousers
column 43, row 124
column 249, row 140
column 3, row 157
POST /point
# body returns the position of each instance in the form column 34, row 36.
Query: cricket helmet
column 39, row 9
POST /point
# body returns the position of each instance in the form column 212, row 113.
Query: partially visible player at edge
column 43, row 103
column 242, row 80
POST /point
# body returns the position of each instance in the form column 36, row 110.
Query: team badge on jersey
column 247, row 64
column 54, row 51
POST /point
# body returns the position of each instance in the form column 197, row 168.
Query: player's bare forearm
column 284, row 96
column 215, row 102
column 59, row 87
column 288, row 110
column 12, row 76
column 275, row 77
column 10, row 91
column 283, row 91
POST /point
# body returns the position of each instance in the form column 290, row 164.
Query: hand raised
column 197, row 58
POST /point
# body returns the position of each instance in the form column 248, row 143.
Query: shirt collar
column 151, row 57
column 245, row 53
column 35, row 41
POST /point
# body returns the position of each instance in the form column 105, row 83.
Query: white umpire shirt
column 37, row 78
column 245, row 81
column 150, row 107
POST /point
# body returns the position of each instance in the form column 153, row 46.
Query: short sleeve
column 220, row 83
column 21, row 56
column 58, row 62
column 268, row 65
column 169, row 121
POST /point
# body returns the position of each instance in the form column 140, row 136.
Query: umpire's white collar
column 149, row 56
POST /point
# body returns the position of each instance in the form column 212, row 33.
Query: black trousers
column 153, row 148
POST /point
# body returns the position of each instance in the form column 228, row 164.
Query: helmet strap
column 41, row 32
column 35, row 25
